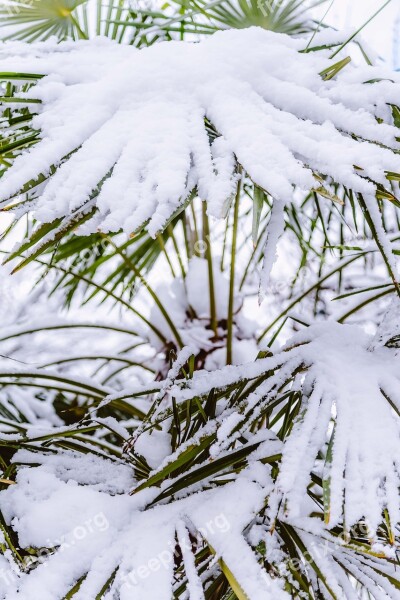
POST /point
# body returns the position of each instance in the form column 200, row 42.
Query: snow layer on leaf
column 345, row 379
column 346, row 382
column 137, row 118
column 96, row 532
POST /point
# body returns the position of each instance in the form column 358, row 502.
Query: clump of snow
column 154, row 447
column 187, row 301
column 96, row 532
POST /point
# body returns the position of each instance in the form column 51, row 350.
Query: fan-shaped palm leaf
column 32, row 20
column 159, row 161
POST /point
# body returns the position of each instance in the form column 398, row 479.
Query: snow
column 142, row 122
column 197, row 295
column 155, row 447
column 99, row 532
column 81, row 504
column 138, row 116
column 343, row 376
column 274, row 231
column 191, row 294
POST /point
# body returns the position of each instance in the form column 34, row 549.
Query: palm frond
column 39, row 20
column 211, row 171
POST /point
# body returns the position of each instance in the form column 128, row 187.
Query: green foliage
column 32, row 20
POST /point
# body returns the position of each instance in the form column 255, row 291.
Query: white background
column 382, row 34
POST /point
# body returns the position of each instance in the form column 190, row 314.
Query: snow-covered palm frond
column 130, row 537
column 114, row 547
column 348, row 400
column 210, row 450
column 178, row 117
column 53, row 369
column 353, row 388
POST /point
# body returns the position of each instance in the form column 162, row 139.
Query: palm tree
column 241, row 468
